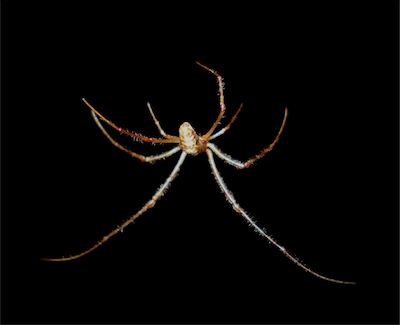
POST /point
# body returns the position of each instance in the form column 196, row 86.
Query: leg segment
column 228, row 159
column 244, row 214
column 149, row 159
column 150, row 204
column 226, row 128
column 264, row 151
column 134, row 135
column 162, row 132
column 241, row 165
column 221, row 100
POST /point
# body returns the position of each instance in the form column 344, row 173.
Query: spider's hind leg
column 150, row 204
column 134, row 135
column 244, row 214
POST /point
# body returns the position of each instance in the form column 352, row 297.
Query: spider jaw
column 189, row 141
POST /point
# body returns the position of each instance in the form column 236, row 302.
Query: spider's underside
column 190, row 143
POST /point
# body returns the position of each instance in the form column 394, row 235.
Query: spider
column 190, row 143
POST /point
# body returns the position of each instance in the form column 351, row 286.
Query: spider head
column 190, row 142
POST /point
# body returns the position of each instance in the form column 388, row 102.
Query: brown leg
column 226, row 128
column 221, row 100
column 148, row 159
column 264, row 151
column 241, row 165
column 136, row 136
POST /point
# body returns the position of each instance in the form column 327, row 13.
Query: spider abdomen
column 189, row 141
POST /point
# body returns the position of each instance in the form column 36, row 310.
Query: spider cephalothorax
column 189, row 142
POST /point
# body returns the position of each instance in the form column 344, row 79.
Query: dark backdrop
column 328, row 192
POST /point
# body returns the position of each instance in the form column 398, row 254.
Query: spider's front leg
column 134, row 135
column 148, row 159
column 221, row 100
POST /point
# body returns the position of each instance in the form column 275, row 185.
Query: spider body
column 190, row 143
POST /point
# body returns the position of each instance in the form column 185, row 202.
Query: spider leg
column 241, row 165
column 160, row 129
column 226, row 128
column 229, row 196
column 221, row 100
column 134, row 135
column 267, row 149
column 149, row 159
column 150, row 204
column 228, row 159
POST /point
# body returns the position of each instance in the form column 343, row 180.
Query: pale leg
column 150, row 204
column 244, row 214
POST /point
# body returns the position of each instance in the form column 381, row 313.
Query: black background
column 328, row 192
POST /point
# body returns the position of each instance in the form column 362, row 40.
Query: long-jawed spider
column 190, row 143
